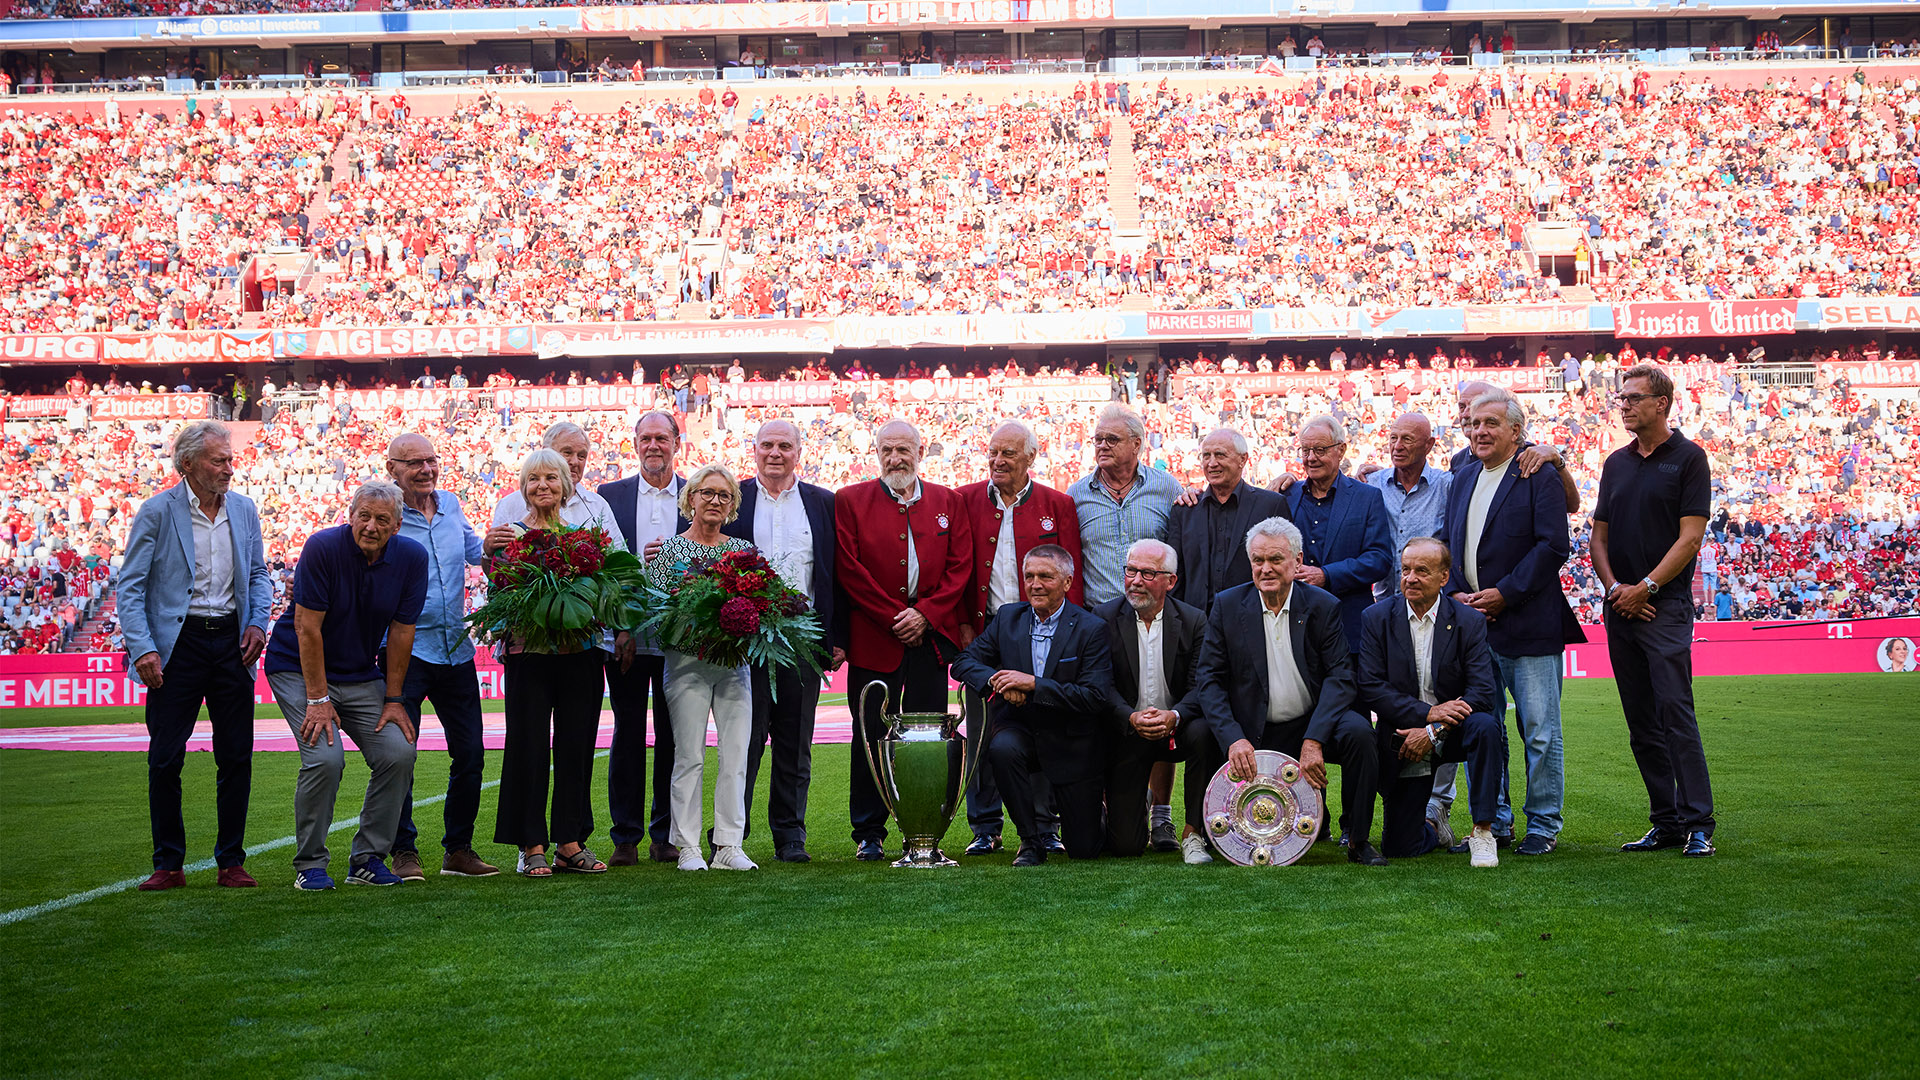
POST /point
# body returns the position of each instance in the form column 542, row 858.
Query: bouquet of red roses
column 736, row 610
column 552, row 590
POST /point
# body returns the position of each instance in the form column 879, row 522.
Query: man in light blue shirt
column 1120, row 502
column 1415, row 492
column 442, row 668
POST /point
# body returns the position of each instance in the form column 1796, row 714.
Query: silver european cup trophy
column 922, row 768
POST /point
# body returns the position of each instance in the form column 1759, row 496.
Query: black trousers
column 786, row 722
column 627, row 692
column 1480, row 741
column 205, row 668
column 1015, row 760
column 1653, row 667
column 984, row 810
column 454, row 690
column 557, row 694
column 1130, row 762
column 919, row 684
column 1351, row 746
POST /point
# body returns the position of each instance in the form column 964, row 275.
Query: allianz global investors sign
column 1696, row 318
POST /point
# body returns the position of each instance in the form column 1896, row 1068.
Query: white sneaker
column 1485, row 850
column 1442, row 830
column 732, row 858
column 690, row 859
column 1193, row 850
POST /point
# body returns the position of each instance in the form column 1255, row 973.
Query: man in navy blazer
column 193, row 600
column 1047, row 665
column 646, row 510
column 791, row 522
column 1426, row 672
column 1508, row 534
column 1276, row 674
column 1347, row 539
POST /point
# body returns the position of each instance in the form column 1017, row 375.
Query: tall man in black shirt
column 1655, row 495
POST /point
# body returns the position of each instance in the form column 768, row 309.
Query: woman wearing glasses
column 696, row 689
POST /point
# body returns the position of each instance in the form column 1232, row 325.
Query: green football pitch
column 1791, row 953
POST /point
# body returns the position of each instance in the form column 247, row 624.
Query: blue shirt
column 359, row 599
column 440, row 637
column 1043, row 638
column 1109, row 528
column 1420, row 512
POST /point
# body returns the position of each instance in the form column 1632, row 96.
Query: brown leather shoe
column 625, row 855
column 236, row 877
column 660, row 852
column 163, row 880
column 406, row 865
column 466, row 864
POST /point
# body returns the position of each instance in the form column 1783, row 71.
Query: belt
column 213, row 623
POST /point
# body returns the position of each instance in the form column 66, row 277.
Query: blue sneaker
column 372, row 872
column 314, row 880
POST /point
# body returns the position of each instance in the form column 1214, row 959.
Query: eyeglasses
column 1632, row 400
column 1110, row 440
column 1320, row 451
column 416, row 463
column 1147, row 575
column 710, row 495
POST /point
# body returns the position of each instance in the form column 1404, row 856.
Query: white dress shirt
column 1421, row 627
column 1153, row 681
column 1287, row 694
column 212, row 560
column 656, row 510
column 1003, row 578
column 1484, row 487
column 913, row 557
column 784, row 535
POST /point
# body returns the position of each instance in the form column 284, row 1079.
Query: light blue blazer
column 156, row 576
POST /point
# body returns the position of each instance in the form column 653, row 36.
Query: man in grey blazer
column 193, row 601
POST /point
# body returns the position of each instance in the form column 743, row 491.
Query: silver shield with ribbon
column 1270, row 820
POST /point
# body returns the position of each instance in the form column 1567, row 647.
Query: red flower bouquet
column 736, row 610
column 552, row 590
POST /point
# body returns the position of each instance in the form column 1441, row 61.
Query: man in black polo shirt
column 355, row 585
column 1655, row 494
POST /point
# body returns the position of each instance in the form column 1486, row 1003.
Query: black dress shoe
column 660, row 852
column 1163, row 838
column 1656, row 839
column 870, row 851
column 984, row 844
column 1030, row 855
column 1536, row 844
column 1052, row 845
column 1366, row 855
column 1699, row 845
column 794, row 852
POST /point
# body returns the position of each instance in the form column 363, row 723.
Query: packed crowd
column 1817, row 500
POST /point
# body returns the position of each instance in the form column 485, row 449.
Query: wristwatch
column 1653, row 587
column 391, row 700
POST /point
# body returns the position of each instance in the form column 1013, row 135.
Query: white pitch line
column 8, row 918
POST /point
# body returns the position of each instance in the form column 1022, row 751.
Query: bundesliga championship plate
column 1270, row 820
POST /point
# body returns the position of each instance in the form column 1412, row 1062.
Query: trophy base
column 923, row 858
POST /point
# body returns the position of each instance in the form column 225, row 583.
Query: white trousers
column 696, row 689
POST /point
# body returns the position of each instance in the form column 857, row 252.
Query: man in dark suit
column 1047, row 666
column 1011, row 514
column 791, row 522
column 1276, row 674
column 1346, row 538
column 1210, row 535
column 1155, row 642
column 904, row 556
column 646, row 509
column 1426, row 672
column 1508, row 535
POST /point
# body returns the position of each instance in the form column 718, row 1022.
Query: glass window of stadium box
column 779, row 51
column 871, row 48
column 1706, row 33
column 246, row 62
column 1344, row 39
column 1612, row 34
column 1052, row 45
column 971, row 45
column 1533, row 36
column 1153, row 41
column 1413, row 37
column 1240, row 41
column 1887, row 29
column 691, row 52
column 518, row 55
column 1796, row 31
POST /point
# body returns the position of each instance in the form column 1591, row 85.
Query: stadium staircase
column 79, row 643
column 1123, row 197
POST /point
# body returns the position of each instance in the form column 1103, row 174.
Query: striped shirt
column 1108, row 528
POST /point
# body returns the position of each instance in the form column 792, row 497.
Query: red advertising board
column 982, row 12
column 710, row 18
column 1199, row 323
column 1528, row 319
column 1419, row 380
column 1705, row 318
column 157, row 347
column 381, row 342
column 112, row 407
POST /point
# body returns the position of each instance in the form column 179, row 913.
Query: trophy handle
column 867, row 749
column 970, row 761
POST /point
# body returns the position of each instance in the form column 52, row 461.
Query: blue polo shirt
column 360, row 600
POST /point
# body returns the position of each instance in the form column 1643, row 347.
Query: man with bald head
column 1415, row 492
column 904, row 557
column 1010, row 514
column 442, row 668
column 792, row 524
column 1531, row 456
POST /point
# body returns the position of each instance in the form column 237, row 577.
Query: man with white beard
column 904, row 559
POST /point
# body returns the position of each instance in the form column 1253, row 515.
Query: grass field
column 1792, row 953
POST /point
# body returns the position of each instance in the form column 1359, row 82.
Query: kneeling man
column 1275, row 674
column 1045, row 665
column 1426, row 671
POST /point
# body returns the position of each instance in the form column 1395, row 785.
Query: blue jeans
column 1534, row 682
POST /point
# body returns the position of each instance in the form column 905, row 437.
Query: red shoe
column 163, row 880
column 236, row 877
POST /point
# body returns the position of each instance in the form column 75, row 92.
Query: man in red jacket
column 904, row 560
column 1010, row 514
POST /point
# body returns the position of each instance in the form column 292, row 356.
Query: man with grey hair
column 1531, row 456
column 585, row 508
column 1209, row 534
column 355, row 584
column 645, row 508
column 1011, row 514
column 1346, row 544
column 194, row 599
column 1120, row 501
